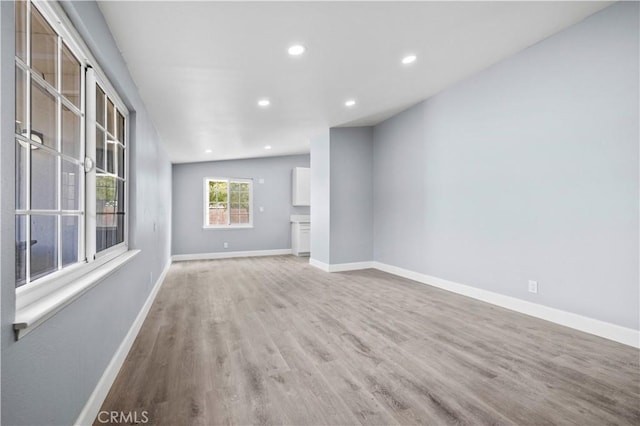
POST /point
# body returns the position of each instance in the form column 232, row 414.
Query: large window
column 67, row 210
column 228, row 203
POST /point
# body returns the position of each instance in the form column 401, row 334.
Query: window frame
column 95, row 80
column 229, row 225
column 64, row 38
column 39, row 299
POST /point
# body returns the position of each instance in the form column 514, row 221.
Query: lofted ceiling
column 202, row 67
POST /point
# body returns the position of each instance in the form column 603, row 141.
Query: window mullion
column 90, row 176
column 83, row 150
column 59, row 148
column 27, row 177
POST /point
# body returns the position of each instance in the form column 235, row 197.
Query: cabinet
column 301, row 186
column 300, row 238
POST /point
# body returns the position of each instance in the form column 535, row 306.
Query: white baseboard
column 92, row 407
column 229, row 254
column 604, row 329
column 340, row 267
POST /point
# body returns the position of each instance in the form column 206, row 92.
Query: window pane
column 109, row 202
column 100, row 142
column 121, row 164
column 243, row 218
column 44, row 172
column 70, row 76
column 235, row 199
column 21, row 175
column 111, row 156
column 120, row 212
column 110, row 117
column 217, row 192
column 120, row 128
column 235, row 218
column 70, row 234
column 235, row 186
column 100, row 106
column 120, row 230
column 21, row 30
column 106, row 195
column 119, row 204
column 44, row 49
column 70, row 133
column 21, row 98
column 244, row 201
column 70, row 186
column 43, row 116
column 44, row 245
column 218, row 214
column 21, row 250
column 244, row 187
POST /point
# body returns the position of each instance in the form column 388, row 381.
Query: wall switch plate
column 533, row 286
column 260, row 180
column 225, row 244
column 261, row 208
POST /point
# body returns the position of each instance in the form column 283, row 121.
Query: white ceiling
column 201, row 67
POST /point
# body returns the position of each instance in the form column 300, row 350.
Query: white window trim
column 76, row 283
column 205, row 211
column 42, row 298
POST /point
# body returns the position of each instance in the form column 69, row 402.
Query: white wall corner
column 97, row 397
column 229, row 255
column 320, row 265
column 599, row 328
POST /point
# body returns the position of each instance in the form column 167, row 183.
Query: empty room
column 319, row 213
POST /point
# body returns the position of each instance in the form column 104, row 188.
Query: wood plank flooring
column 272, row 340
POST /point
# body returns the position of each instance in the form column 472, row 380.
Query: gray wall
column 399, row 190
column 271, row 228
column 528, row 170
column 320, row 197
column 351, row 207
column 48, row 375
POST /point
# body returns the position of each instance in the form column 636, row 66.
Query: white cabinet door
column 300, row 238
column 304, row 239
column 301, row 186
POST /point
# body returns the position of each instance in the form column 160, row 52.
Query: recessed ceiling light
column 264, row 102
column 267, row 147
column 296, row 50
column 350, row 103
column 208, row 151
column 409, row 59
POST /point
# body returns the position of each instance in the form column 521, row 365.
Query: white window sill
column 37, row 312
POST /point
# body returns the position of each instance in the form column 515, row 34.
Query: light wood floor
column 273, row 340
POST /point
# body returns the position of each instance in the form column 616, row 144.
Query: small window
column 110, row 172
column 228, row 203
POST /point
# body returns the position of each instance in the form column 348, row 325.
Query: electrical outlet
column 225, row 244
column 533, row 286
